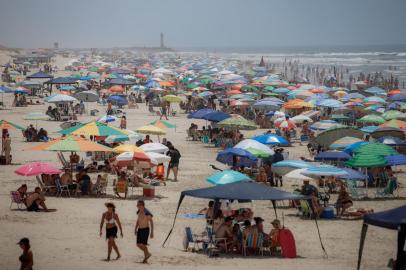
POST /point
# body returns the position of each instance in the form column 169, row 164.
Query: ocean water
column 367, row 59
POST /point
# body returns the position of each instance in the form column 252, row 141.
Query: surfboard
column 288, row 244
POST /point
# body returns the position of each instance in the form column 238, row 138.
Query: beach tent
column 393, row 219
column 241, row 191
column 61, row 80
column 40, row 75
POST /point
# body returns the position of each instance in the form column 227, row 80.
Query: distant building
column 56, row 45
column 162, row 41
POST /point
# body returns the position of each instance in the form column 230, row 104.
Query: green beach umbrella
column 249, row 88
column 8, row 125
column 366, row 161
column 392, row 114
column 376, row 149
column 258, row 153
column 237, row 123
column 93, row 128
column 372, row 119
column 339, row 117
column 269, row 88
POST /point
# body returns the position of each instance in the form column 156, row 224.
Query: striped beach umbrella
column 9, row 125
column 162, row 124
column 286, row 166
column 93, row 128
column 71, row 144
column 394, row 124
column 237, row 123
column 150, row 129
column 344, row 142
column 324, row 125
column 127, row 148
column 374, row 119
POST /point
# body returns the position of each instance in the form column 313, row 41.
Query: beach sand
column 68, row 238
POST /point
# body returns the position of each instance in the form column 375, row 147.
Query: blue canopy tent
column 332, row 155
column 61, row 80
column 241, row 191
column 40, row 75
column 237, row 157
column 393, row 219
column 216, row 116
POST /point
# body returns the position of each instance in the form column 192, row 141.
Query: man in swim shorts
column 144, row 228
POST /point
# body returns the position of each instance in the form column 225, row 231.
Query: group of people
column 31, row 134
column 34, row 201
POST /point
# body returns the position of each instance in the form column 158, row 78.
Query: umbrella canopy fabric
column 117, row 100
column 107, row 119
column 344, row 142
column 298, row 119
column 61, row 99
column 271, row 139
column 352, row 175
column 227, row 177
column 93, row 128
column 127, row 148
column 390, row 219
column 154, row 147
column 172, row 98
column 87, row 96
column 132, row 138
column 132, row 156
column 245, row 190
column 37, row 168
column 39, row 75
column 394, row 124
column 285, row 166
column 374, row 119
column 239, row 156
column 323, row 125
column 266, row 105
column 237, row 123
column 392, row 114
column 150, row 129
column 162, row 124
column 249, row 143
column 375, row 149
column 369, row 129
column 396, row 160
column 200, row 113
column 324, row 170
column 9, row 125
column 297, row 175
column 366, row 161
column 327, row 137
column 351, row 148
column 332, row 155
column 388, row 131
column 216, row 116
column 158, row 158
column 71, row 144
column 392, row 141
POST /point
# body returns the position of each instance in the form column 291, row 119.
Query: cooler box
column 148, row 191
column 328, row 213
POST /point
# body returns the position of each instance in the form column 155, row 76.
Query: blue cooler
column 328, row 213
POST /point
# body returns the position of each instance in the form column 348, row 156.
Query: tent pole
column 174, row 219
column 318, row 232
column 400, row 259
column 361, row 243
column 274, row 208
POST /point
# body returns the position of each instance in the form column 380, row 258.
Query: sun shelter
column 241, row 191
column 393, row 219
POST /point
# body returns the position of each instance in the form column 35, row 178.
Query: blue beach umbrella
column 200, row 113
column 239, row 156
column 117, row 100
column 227, row 177
column 369, row 129
column 271, row 139
column 352, row 147
column 332, row 155
column 285, row 166
column 216, row 116
column 324, row 170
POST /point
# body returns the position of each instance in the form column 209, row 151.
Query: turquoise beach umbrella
column 227, row 177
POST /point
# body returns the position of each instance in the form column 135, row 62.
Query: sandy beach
column 68, row 238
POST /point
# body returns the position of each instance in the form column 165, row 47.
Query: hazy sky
column 201, row 23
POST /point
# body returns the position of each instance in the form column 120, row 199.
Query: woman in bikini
column 111, row 219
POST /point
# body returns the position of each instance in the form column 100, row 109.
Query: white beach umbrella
column 154, row 147
column 300, row 119
column 297, row 175
column 61, row 99
column 249, row 143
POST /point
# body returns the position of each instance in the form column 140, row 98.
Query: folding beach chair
column 16, row 199
column 255, row 242
column 65, row 164
column 60, row 189
column 391, row 188
column 194, row 239
column 43, row 187
column 214, row 242
column 121, row 187
column 356, row 193
column 305, row 209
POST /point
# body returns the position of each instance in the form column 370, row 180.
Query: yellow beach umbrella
column 128, row 148
column 93, row 128
column 150, row 129
column 172, row 98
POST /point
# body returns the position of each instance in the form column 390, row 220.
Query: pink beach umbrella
column 37, row 168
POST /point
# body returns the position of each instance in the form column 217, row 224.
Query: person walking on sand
column 7, row 148
column 26, row 259
column 144, row 228
column 111, row 218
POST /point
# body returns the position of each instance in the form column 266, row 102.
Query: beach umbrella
column 377, row 149
column 87, row 96
column 366, row 161
column 332, row 155
column 396, row 160
column 394, row 124
column 237, row 123
column 374, row 119
column 227, row 177
column 337, row 117
column 374, row 90
column 9, row 125
column 351, row 148
column 352, row 175
column 235, row 103
column 216, row 116
column 323, row 125
column 266, row 105
column 271, row 139
column 323, row 170
column 344, row 142
column 200, row 113
column 388, row 131
column 296, row 175
column 140, row 159
column 58, row 98
column 327, row 137
column 117, row 100
column 330, row 103
column 158, row 158
column 150, row 129
column 298, row 119
column 172, row 98
column 162, row 124
column 116, row 89
column 392, row 114
column 205, row 94
column 71, row 144
column 369, row 129
column 374, row 99
column 107, row 119
column 37, row 168
column 154, row 147
column 285, row 166
column 67, row 88
column 93, row 128
column 252, row 144
column 391, row 141
column 131, row 137
column 239, row 156
column 127, row 148
column 398, row 97
column 285, row 124
column 258, row 153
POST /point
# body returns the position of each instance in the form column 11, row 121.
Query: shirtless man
column 35, row 200
column 144, row 228
column 225, row 231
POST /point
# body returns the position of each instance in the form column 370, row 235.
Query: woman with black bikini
column 26, row 259
column 111, row 219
